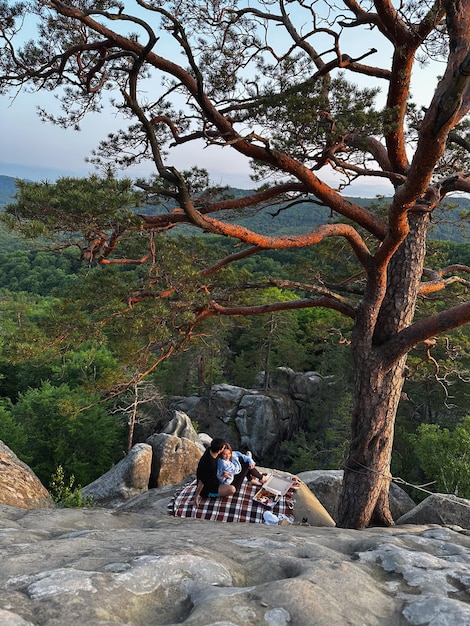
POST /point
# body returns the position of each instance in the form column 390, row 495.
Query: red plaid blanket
column 237, row 508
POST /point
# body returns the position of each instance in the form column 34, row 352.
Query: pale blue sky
column 38, row 151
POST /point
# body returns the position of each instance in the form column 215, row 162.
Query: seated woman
column 231, row 463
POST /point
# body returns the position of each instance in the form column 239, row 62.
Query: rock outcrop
column 264, row 420
column 174, row 458
column 181, row 426
column 100, row 567
column 132, row 563
column 19, row 485
column 125, row 480
column 439, row 508
column 255, row 419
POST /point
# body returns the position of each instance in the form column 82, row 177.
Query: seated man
column 207, row 482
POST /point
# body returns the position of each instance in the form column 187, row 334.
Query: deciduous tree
column 286, row 85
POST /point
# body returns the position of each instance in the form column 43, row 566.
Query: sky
column 40, row 151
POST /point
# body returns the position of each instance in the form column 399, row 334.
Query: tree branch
column 278, row 243
column 290, row 284
column 330, row 303
column 424, row 329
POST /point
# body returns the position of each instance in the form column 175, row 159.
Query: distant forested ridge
column 284, row 219
column 7, row 190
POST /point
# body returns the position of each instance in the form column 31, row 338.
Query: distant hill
column 9, row 242
column 447, row 222
column 7, row 190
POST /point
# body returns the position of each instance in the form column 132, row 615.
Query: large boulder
column 173, row 459
column 440, row 509
column 225, row 399
column 125, row 480
column 302, row 386
column 263, row 421
column 221, row 404
column 181, row 426
column 19, row 485
column 253, row 419
column 214, row 413
column 279, row 380
column 327, row 485
column 309, row 510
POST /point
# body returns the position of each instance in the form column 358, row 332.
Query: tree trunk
column 201, row 375
column 378, row 387
column 367, row 469
column 267, row 361
column 132, row 418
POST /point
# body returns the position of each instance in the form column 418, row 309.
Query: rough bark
column 367, row 469
column 378, row 387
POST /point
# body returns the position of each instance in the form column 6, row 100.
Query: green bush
column 64, row 493
column 444, row 456
column 11, row 433
column 86, row 442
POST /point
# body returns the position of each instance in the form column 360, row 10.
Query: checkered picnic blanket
column 237, row 508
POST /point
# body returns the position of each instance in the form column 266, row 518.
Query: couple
column 209, row 485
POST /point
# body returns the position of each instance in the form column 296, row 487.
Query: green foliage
column 11, row 432
column 450, row 223
column 444, row 456
column 448, row 252
column 23, row 341
column 40, row 273
column 70, row 205
column 59, row 355
column 431, row 398
column 264, row 342
column 438, row 390
column 325, row 441
column 296, row 114
column 10, row 242
column 299, row 454
column 60, row 431
column 91, row 367
column 65, row 493
column 451, row 220
column 201, row 364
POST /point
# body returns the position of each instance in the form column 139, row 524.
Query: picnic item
column 237, row 508
column 272, row 490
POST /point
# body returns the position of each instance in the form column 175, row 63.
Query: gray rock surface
column 253, row 419
column 181, row 426
column 439, row 508
column 125, row 480
column 297, row 384
column 100, row 567
column 263, row 421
